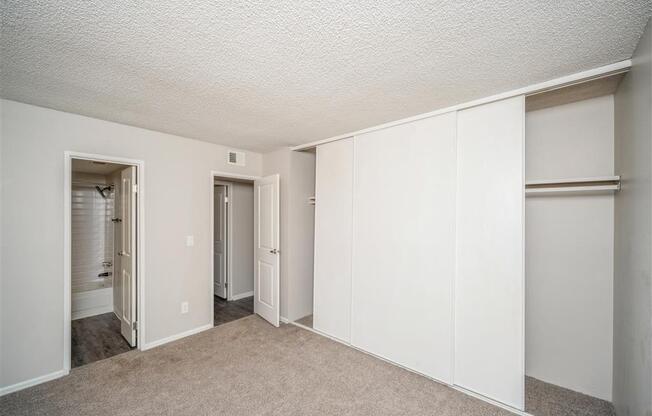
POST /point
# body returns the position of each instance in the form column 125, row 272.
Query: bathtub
column 97, row 299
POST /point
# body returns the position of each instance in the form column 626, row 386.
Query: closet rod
column 600, row 183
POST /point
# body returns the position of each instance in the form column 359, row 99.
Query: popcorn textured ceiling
column 259, row 75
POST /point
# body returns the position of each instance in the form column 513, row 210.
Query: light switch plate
column 184, row 307
column 190, row 240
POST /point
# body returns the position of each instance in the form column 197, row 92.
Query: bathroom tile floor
column 96, row 338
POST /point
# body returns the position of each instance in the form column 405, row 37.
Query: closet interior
column 571, row 185
column 476, row 247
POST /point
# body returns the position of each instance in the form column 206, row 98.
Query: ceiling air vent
column 236, row 158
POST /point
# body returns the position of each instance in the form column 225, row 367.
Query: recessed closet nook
column 476, row 247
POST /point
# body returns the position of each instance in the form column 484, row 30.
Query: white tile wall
column 92, row 236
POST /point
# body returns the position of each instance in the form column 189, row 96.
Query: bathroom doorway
column 103, row 220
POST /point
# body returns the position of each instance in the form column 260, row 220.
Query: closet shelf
column 593, row 184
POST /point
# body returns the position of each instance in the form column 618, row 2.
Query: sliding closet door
column 333, row 217
column 489, row 284
column 404, row 250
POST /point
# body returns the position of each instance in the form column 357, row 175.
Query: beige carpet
column 245, row 367
column 545, row 399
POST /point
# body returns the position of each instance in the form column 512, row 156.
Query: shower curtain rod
column 93, row 184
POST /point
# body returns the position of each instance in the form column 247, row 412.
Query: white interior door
column 266, row 245
column 128, row 253
column 333, row 223
column 489, row 283
column 219, row 241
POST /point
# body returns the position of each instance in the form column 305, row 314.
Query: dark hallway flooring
column 230, row 311
column 305, row 321
column 96, row 338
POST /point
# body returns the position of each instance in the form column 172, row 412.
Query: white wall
column 297, row 173
column 177, row 204
column 569, row 249
column 242, row 258
column 632, row 393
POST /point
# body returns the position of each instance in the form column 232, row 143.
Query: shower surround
column 92, row 209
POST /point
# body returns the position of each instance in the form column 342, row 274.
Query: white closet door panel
column 403, row 244
column 333, row 218
column 489, row 285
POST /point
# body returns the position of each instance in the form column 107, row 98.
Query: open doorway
column 103, row 259
column 233, row 256
column 245, row 217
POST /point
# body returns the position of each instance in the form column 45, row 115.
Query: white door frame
column 219, row 176
column 229, row 235
column 140, row 246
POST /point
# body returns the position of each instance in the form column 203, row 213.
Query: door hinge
column 136, row 188
column 134, row 325
column 226, row 199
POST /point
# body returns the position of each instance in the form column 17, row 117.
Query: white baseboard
column 242, row 295
column 285, row 320
column 85, row 313
column 32, row 382
column 175, row 337
column 491, row 401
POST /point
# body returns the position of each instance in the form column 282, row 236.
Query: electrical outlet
column 190, row 240
column 184, row 307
